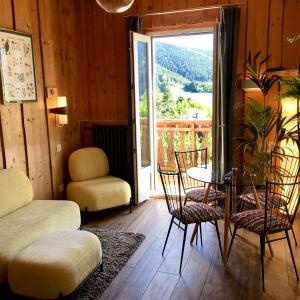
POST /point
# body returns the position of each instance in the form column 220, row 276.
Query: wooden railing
column 181, row 135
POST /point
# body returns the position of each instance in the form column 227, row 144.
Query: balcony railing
column 181, row 135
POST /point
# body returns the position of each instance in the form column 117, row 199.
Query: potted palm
column 292, row 87
column 264, row 125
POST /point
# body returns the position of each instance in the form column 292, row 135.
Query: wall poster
column 17, row 67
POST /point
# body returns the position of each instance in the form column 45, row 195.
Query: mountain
column 190, row 63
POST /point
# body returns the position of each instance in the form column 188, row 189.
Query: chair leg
column 200, row 230
column 230, row 230
column 185, row 200
column 262, row 253
column 183, row 244
column 294, row 236
column 130, row 205
column 242, row 206
column 232, row 239
column 168, row 235
column 292, row 255
column 219, row 240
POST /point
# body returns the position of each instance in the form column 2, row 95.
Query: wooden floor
column 148, row 275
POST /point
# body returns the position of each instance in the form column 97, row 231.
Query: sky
column 200, row 41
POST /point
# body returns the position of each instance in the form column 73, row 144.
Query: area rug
column 117, row 248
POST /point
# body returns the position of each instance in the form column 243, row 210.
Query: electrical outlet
column 52, row 92
column 58, row 148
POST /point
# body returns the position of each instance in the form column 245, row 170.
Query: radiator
column 113, row 141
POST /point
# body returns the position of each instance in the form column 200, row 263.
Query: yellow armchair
column 92, row 187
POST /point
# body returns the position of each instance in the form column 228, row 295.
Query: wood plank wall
column 28, row 133
column 82, row 51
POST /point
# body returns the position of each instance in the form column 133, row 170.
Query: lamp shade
column 115, row 6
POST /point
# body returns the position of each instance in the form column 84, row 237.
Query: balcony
column 181, row 135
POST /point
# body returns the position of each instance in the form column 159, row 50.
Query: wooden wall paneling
column 169, row 19
column 26, row 18
column 66, row 44
column 101, row 65
column 181, row 17
column 110, row 66
column 275, row 33
column 13, row 137
column 257, row 27
column 291, row 27
column 146, row 6
column 157, row 21
column 122, row 75
column 13, row 140
column 54, row 77
column 196, row 16
column 96, row 63
column 82, row 48
column 257, row 34
column 73, row 62
column 6, row 14
column 103, row 90
column 81, row 60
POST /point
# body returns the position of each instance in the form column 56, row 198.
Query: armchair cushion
column 98, row 194
column 88, row 163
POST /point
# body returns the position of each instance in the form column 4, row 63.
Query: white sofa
column 23, row 220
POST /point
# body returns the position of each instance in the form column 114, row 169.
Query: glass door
column 142, row 116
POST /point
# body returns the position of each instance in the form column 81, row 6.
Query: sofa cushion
column 16, row 190
column 54, row 265
column 98, row 194
column 26, row 224
column 88, row 163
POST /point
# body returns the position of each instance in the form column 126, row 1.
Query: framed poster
column 17, row 67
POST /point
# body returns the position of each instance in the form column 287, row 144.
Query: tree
column 165, row 106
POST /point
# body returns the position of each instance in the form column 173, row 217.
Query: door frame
column 137, row 160
column 178, row 32
column 207, row 28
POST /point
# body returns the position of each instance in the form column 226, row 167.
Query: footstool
column 55, row 265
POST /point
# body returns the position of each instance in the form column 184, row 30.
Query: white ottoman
column 55, row 265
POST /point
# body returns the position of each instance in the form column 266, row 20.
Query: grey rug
column 117, row 248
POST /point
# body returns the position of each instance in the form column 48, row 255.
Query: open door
column 142, row 114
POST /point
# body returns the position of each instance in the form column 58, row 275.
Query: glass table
column 232, row 181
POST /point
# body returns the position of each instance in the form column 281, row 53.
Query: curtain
column 135, row 23
column 227, row 33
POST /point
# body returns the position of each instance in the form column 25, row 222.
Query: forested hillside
column 183, row 82
column 192, row 64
